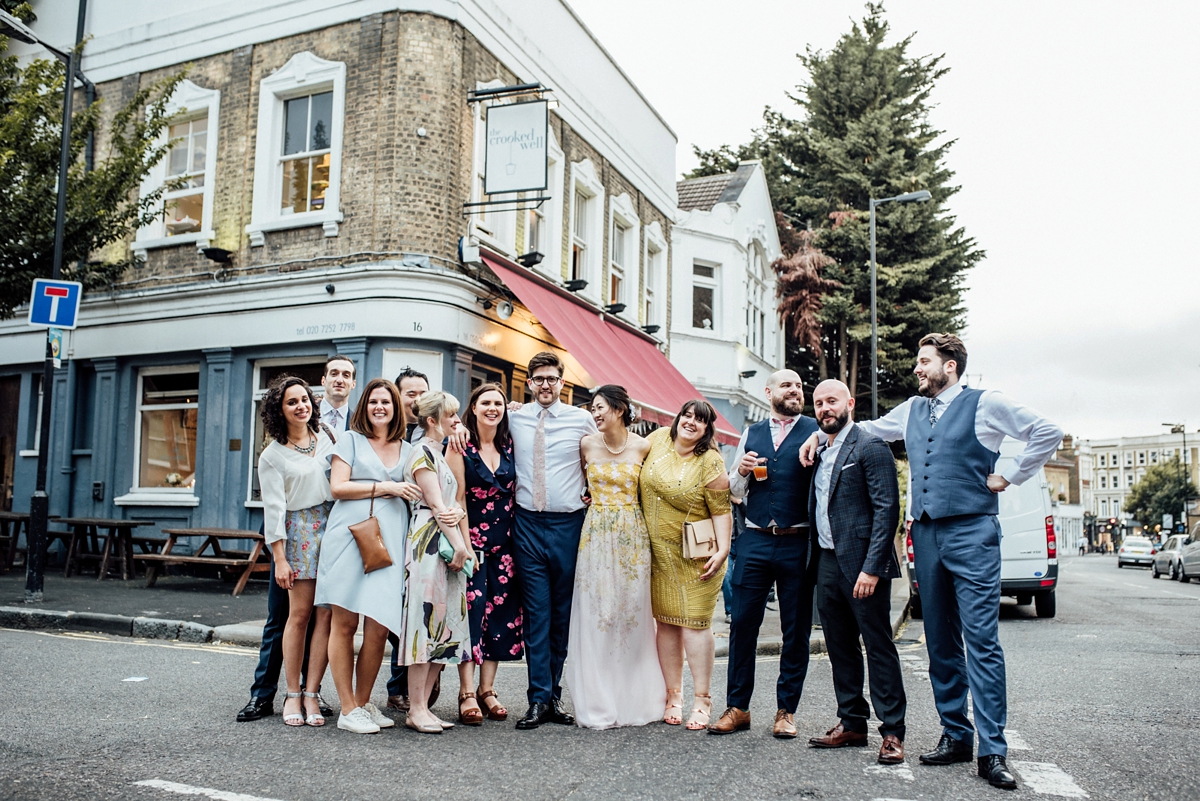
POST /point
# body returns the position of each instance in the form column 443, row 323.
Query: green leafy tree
column 1164, row 489
column 864, row 133
column 103, row 204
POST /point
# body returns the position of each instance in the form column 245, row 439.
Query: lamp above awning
column 610, row 352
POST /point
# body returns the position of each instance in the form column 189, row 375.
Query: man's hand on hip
column 865, row 586
column 997, row 482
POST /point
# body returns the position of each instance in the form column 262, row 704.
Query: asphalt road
column 1103, row 701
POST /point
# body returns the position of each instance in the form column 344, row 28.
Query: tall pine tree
column 865, row 133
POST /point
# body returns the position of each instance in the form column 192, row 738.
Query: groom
column 549, row 519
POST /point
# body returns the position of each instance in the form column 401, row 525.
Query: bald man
column 772, row 550
column 855, row 507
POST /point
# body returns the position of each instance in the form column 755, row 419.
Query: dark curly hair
column 272, row 408
column 617, row 399
column 704, row 413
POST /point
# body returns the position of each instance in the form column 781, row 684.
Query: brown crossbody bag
column 369, row 538
column 699, row 537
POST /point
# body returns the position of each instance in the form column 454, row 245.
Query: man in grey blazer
column 854, row 503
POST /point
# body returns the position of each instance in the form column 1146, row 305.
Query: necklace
column 307, row 449
column 623, row 444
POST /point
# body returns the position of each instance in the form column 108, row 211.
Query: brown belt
column 783, row 531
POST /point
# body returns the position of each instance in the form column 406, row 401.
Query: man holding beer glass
column 772, row 551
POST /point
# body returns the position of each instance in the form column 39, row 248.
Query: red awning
column 609, row 352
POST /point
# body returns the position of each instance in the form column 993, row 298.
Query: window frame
column 585, row 181
column 161, row 496
column 713, row 282
column 496, row 229
column 190, row 102
column 654, row 274
column 551, row 266
column 256, row 395
column 622, row 214
column 303, row 74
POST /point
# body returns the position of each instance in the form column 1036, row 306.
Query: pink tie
column 539, row 463
column 783, row 431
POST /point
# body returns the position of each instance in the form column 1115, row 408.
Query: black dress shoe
column 256, row 709
column 560, row 715
column 995, row 770
column 536, row 716
column 325, row 709
column 948, row 752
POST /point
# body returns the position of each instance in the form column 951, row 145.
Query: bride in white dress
column 612, row 668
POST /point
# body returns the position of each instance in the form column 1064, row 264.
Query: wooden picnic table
column 117, row 534
column 256, row 560
column 11, row 524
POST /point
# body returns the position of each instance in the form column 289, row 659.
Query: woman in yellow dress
column 683, row 478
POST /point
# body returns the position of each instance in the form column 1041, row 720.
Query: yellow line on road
column 232, row 650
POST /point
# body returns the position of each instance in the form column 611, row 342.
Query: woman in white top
column 293, row 473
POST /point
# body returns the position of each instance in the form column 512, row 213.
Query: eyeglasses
column 544, row 380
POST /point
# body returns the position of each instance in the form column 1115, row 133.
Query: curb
column 149, row 628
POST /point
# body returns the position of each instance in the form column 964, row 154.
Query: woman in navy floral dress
column 487, row 479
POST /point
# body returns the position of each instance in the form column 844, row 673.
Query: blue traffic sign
column 55, row 304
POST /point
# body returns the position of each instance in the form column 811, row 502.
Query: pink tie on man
column 539, row 462
column 783, row 424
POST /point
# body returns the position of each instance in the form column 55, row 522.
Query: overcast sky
column 1076, row 125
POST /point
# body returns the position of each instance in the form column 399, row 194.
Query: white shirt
column 739, row 485
column 565, row 426
column 995, row 418
column 822, row 480
column 336, row 419
column 290, row 480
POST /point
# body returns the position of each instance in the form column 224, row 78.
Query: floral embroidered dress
column 435, row 598
column 612, row 664
column 494, row 598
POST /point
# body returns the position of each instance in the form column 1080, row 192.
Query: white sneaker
column 358, row 721
column 378, row 718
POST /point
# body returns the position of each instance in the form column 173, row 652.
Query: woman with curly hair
column 293, row 475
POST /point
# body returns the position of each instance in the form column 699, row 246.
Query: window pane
column 170, row 388
column 295, row 126
column 322, row 120
column 614, row 288
column 702, row 270
column 618, row 248
column 295, row 187
column 702, row 307
column 199, row 149
column 185, row 214
column 168, row 448
column 178, row 163
column 533, row 233
column 320, row 181
column 309, row 372
column 577, row 262
column 581, row 206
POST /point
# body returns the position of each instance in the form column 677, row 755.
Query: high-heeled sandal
column 695, row 725
column 313, row 718
column 497, row 712
column 296, row 716
column 668, row 718
column 469, row 717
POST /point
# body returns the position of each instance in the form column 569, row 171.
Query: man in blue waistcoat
column 953, row 435
column 772, row 550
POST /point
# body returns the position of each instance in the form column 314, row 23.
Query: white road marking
column 1182, row 595
column 187, row 789
column 1048, row 779
column 233, row 650
column 1015, row 741
column 1086, row 636
column 137, row 678
column 900, row 771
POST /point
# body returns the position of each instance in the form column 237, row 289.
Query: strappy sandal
column 469, row 717
column 294, row 716
column 497, row 712
column 695, row 725
column 668, row 718
column 314, row 718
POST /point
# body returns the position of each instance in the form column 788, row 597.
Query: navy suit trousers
column 764, row 560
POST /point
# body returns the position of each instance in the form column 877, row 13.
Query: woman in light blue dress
column 369, row 459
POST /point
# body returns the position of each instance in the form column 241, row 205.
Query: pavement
column 203, row 610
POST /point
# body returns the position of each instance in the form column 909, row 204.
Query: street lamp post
column 39, row 503
column 1181, row 428
column 911, row 197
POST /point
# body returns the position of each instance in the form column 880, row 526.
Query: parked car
column 1166, row 561
column 1028, row 544
column 1189, row 558
column 1136, row 551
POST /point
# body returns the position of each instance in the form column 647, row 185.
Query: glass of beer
column 760, row 471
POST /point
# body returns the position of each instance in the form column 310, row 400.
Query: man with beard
column 773, row 550
column 953, row 435
column 855, row 506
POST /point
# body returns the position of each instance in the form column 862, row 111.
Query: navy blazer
column 864, row 506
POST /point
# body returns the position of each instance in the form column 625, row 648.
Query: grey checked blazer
column 864, row 507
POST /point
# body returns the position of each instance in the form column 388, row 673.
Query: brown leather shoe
column 838, row 737
column 398, row 702
column 785, row 725
column 731, row 720
column 892, row 751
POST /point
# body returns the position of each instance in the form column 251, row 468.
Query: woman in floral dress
column 612, row 662
column 487, row 478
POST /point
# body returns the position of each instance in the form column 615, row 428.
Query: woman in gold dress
column 683, row 478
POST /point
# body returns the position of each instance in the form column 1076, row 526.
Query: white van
column 1028, row 544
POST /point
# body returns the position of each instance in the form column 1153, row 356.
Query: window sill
column 201, row 239
column 328, row 220
column 253, row 504
column 148, row 497
column 29, row 454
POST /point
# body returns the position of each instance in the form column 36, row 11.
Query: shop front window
column 168, row 407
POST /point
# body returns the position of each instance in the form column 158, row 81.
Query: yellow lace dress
column 674, row 488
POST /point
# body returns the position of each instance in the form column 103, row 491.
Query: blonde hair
column 435, row 405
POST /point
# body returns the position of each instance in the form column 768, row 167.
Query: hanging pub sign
column 516, row 153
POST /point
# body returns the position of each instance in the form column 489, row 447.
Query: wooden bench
column 117, row 539
column 210, row 552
